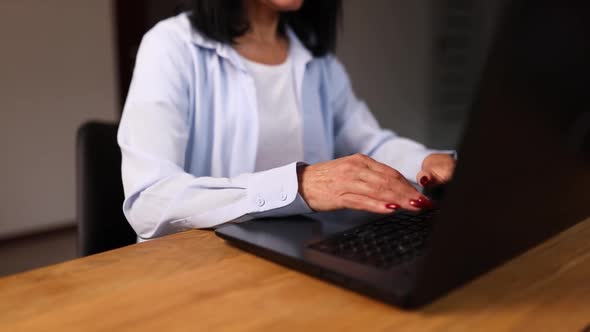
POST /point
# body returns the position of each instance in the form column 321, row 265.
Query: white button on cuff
column 284, row 196
column 260, row 201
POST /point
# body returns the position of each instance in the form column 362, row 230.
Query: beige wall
column 386, row 47
column 56, row 71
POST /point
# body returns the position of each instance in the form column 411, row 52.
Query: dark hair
column 316, row 23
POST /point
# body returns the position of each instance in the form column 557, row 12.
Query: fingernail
column 392, row 206
column 421, row 203
column 425, row 202
column 424, row 181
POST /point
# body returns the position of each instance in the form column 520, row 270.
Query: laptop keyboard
column 384, row 243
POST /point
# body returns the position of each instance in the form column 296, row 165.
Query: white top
column 280, row 134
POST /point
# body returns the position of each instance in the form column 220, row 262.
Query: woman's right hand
column 360, row 183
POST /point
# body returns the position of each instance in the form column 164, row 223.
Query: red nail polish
column 424, row 181
column 415, row 203
column 425, row 202
column 392, row 206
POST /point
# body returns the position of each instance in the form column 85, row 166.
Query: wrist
column 302, row 175
column 301, row 167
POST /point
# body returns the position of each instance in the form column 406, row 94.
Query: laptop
column 523, row 176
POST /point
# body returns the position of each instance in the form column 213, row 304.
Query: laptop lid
column 524, row 168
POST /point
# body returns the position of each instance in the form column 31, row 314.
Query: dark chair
column 101, row 223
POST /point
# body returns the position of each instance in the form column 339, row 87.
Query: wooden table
column 193, row 281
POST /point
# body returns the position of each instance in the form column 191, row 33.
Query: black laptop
column 523, row 175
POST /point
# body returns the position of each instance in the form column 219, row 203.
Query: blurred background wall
column 386, row 47
column 57, row 70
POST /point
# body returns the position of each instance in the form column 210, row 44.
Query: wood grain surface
column 194, row 281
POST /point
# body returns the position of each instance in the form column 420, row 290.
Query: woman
column 239, row 110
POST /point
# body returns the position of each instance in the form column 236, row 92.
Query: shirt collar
column 299, row 54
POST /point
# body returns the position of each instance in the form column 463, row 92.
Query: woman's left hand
column 437, row 169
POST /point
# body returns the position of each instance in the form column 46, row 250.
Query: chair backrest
column 101, row 223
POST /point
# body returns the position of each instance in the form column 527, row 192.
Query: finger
column 364, row 203
column 382, row 168
column 381, row 182
column 411, row 199
column 425, row 178
column 386, row 190
column 381, row 171
column 406, row 193
column 443, row 174
column 378, row 190
column 371, row 176
column 437, row 179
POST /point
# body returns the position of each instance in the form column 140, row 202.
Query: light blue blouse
column 189, row 132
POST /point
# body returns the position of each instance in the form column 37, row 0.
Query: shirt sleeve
column 160, row 196
column 357, row 131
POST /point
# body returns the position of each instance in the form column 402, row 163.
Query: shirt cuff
column 297, row 207
column 275, row 193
